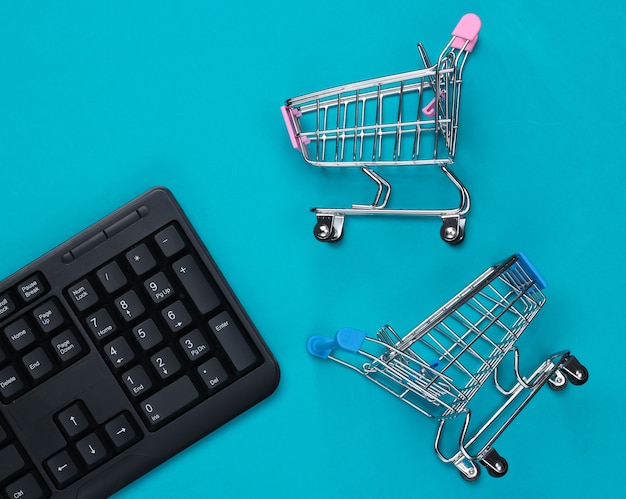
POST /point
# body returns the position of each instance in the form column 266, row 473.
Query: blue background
column 100, row 101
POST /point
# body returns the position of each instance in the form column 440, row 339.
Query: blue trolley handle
column 346, row 338
column 524, row 262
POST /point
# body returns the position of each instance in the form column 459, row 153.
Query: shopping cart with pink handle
column 406, row 119
column 442, row 364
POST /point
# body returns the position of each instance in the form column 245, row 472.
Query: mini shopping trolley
column 440, row 365
column 407, row 119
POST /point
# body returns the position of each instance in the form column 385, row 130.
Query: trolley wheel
column 576, row 372
column 495, row 464
column 557, row 381
column 473, row 477
column 453, row 230
column 581, row 376
column 329, row 228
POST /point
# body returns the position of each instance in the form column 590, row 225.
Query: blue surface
column 100, row 101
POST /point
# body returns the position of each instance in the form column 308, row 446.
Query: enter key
column 232, row 341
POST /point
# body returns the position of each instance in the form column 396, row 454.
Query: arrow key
column 62, row 468
column 73, row 420
column 91, row 450
column 121, row 432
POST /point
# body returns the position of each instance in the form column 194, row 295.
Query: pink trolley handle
column 466, row 31
column 465, row 36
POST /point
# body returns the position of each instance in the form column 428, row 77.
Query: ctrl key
column 26, row 487
column 62, row 469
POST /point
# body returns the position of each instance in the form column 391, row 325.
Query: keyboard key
column 74, row 420
column 111, row 277
column 82, row 295
column 195, row 283
column 129, row 306
column 212, row 373
column 11, row 383
column 26, row 487
column 48, row 317
column 119, row 352
column 147, row 334
column 62, row 469
column 232, row 341
column 11, row 462
column 37, row 364
column 169, row 241
column 140, row 259
column 168, row 402
column 137, row 381
column 32, row 288
column 3, row 434
column 91, row 450
column 159, row 288
column 165, row 363
column 176, row 316
column 101, row 324
column 121, row 432
column 19, row 334
column 66, row 346
column 194, row 345
column 3, row 355
column 7, row 306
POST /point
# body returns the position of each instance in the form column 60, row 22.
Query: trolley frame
column 440, row 365
column 390, row 118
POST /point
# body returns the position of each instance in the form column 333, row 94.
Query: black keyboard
column 118, row 349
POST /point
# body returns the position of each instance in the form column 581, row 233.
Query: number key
column 137, row 381
column 147, row 334
column 129, row 306
column 119, row 352
column 101, row 324
column 176, row 316
column 165, row 363
column 194, row 344
column 159, row 288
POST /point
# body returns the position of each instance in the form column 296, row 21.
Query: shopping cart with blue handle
column 402, row 120
column 441, row 364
